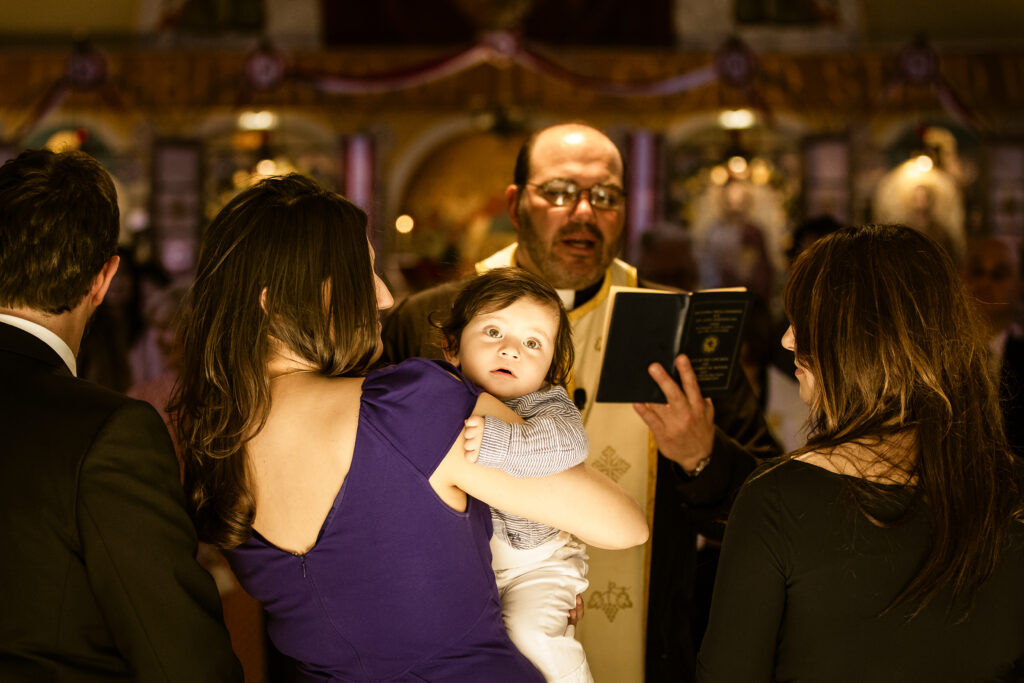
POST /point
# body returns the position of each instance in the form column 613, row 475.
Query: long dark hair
column 884, row 324
column 284, row 263
column 497, row 289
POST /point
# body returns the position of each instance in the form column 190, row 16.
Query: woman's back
column 819, row 573
column 298, row 459
column 398, row 585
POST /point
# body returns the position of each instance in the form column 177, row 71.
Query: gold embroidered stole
column 613, row 632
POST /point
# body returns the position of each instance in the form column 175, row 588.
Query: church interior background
column 750, row 112
column 738, row 119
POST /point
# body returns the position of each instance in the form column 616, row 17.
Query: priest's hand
column 683, row 428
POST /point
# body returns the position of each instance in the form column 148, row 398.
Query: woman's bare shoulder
column 309, row 409
column 855, row 460
column 825, row 461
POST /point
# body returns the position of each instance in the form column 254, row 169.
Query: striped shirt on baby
column 550, row 440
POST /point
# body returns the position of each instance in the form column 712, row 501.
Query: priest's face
column 570, row 214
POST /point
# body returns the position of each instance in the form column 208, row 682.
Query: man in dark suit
column 993, row 275
column 568, row 206
column 98, row 576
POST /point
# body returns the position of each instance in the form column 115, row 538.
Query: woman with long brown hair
column 343, row 497
column 891, row 546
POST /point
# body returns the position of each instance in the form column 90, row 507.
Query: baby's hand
column 472, row 435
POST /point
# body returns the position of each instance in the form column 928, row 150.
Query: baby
column 509, row 334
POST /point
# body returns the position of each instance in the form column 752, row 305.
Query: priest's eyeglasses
column 562, row 192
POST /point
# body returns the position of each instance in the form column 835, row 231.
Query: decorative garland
column 734, row 65
column 917, row 64
column 84, row 71
column 266, row 68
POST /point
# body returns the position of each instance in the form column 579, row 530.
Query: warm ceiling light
column 735, row 119
column 257, row 120
column 924, row 163
column 266, row 167
column 760, row 172
column 404, row 224
column 737, row 165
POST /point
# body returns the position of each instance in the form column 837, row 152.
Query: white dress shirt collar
column 46, row 336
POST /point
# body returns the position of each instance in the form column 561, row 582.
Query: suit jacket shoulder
column 98, row 575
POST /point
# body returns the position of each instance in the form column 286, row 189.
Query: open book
column 649, row 325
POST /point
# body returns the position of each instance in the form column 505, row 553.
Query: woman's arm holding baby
column 579, row 500
column 551, row 438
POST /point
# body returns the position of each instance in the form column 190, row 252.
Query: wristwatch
column 699, row 467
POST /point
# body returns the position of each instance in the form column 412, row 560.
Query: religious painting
column 257, row 144
column 1005, row 210
column 177, row 203
column 826, row 178
column 453, row 209
column 931, row 185
column 734, row 191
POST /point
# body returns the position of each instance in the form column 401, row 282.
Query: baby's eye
column 531, row 344
column 493, row 332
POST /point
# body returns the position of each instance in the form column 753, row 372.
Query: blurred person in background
column 992, row 273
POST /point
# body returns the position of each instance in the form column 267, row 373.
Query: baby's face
column 508, row 352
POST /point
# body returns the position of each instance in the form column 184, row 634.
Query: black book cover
column 650, row 326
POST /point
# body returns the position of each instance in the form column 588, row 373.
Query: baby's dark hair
column 497, row 289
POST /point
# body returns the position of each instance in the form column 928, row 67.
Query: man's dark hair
column 521, row 173
column 58, row 225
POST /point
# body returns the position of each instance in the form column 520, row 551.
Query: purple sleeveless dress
column 399, row 586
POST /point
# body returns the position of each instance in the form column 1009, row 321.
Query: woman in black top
column 891, row 546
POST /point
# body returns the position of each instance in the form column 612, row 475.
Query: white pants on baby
column 538, row 587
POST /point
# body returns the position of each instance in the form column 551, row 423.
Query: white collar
column 997, row 345
column 46, row 336
column 568, row 297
